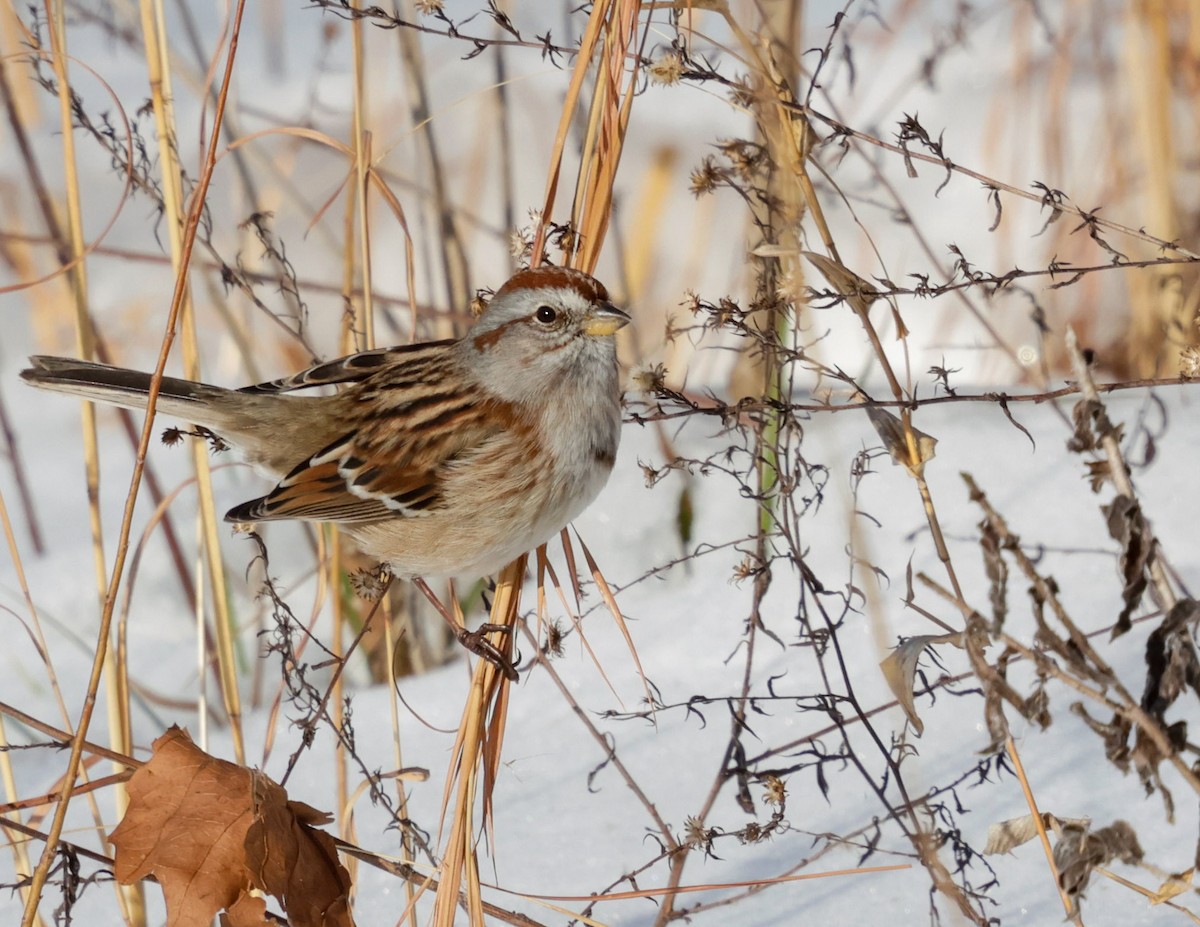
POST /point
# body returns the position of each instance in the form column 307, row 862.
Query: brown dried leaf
column 858, row 292
column 1171, row 662
column 248, row 911
column 1147, row 756
column 292, row 860
column 996, row 688
column 1129, row 528
column 1082, row 414
column 187, row 819
column 997, row 573
column 1175, row 884
column 891, row 431
column 1091, row 425
column 1080, row 850
column 210, row 831
column 900, row 670
column 1115, row 735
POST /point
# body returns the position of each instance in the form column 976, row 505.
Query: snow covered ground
column 565, row 823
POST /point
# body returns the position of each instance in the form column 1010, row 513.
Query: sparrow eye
column 546, row 314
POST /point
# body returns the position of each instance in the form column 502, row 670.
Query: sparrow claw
column 477, row 643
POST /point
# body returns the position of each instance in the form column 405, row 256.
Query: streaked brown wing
column 311, row 494
column 394, row 463
column 353, row 368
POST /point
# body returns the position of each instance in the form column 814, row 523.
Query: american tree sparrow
column 440, row 458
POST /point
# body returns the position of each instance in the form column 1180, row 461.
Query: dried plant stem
column 407, row 843
column 448, row 241
column 49, row 851
column 1152, row 897
column 58, row 239
column 18, row 470
column 1124, row 705
column 475, row 758
column 74, row 251
column 604, row 745
column 1035, row 197
column 1010, row 748
column 159, row 73
column 1156, row 305
column 1161, row 585
column 20, row 849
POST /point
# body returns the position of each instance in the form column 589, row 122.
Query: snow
column 565, row 823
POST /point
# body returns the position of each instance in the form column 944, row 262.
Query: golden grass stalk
column 475, row 758
column 611, row 32
column 159, row 75
column 1010, row 747
column 74, row 250
column 1158, row 307
column 20, row 851
column 49, row 851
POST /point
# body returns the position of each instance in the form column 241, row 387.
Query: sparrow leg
column 475, row 641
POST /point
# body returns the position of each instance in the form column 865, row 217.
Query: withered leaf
column 1114, row 734
column 1080, row 850
column 1082, row 414
column 248, row 911
column 996, row 689
column 211, row 831
column 186, row 822
column 1171, row 661
column 1175, row 884
column 891, row 431
column 1128, row 527
column 859, row 292
column 997, row 573
column 1006, row 836
column 900, row 670
column 292, row 860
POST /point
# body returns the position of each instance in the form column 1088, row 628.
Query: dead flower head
column 667, row 70
column 649, row 377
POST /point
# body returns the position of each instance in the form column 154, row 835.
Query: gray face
column 535, row 339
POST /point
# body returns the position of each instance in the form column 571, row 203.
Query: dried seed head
column 776, row 790
column 649, row 377
column 371, row 584
column 554, row 639
column 706, row 178
column 667, row 70
column 519, row 243
column 1189, row 361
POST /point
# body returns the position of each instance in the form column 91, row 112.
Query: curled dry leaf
column 1175, row 884
column 843, row 279
column 210, row 831
column 1128, row 527
column 1006, row 836
column 892, row 432
column 290, row 858
column 1172, row 665
column 900, row 670
column 1080, row 850
column 247, row 911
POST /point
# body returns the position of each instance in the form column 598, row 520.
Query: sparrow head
column 547, row 323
